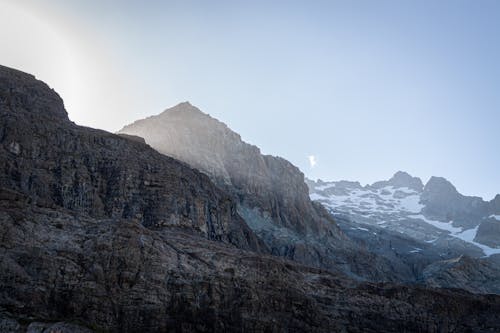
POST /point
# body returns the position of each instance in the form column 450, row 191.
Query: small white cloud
column 312, row 161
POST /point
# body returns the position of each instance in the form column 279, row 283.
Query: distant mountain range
column 435, row 213
column 432, row 229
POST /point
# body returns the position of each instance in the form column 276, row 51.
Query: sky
column 353, row 90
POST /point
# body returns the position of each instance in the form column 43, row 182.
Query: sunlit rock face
column 100, row 233
column 271, row 193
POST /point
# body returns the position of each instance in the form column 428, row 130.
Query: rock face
column 271, row 193
column 443, row 202
column 101, row 233
column 401, row 180
column 119, row 276
column 474, row 275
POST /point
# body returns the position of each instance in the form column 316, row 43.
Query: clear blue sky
column 367, row 87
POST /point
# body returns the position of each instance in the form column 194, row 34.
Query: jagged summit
column 401, row 179
column 440, row 186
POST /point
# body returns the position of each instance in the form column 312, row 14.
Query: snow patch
column 447, row 226
column 465, row 235
column 469, row 235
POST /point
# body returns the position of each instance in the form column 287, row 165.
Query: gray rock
column 474, row 275
column 443, row 202
column 60, row 327
column 401, row 179
column 488, row 233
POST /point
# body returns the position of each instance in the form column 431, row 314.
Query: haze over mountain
column 403, row 241
column 271, row 193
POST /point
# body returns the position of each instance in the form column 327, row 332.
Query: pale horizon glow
column 375, row 87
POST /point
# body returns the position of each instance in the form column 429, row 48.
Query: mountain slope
column 271, row 193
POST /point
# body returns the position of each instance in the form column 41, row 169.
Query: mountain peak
column 404, row 179
column 182, row 107
column 401, row 179
column 440, row 185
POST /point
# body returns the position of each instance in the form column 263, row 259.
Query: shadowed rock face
column 442, row 201
column 73, row 258
column 271, row 193
column 119, row 276
column 401, row 179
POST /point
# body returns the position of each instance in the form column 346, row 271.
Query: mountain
column 435, row 213
column 418, row 225
column 270, row 192
column 101, row 233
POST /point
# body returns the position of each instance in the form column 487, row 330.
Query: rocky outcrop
column 488, row 232
column 443, row 202
column 271, row 193
column 474, row 275
column 401, row 179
